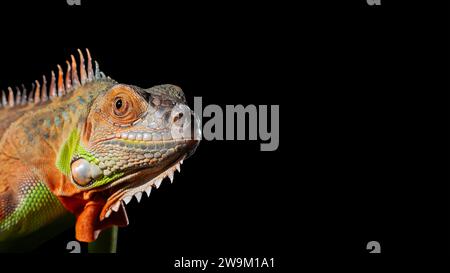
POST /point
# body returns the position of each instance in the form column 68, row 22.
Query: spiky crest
column 59, row 86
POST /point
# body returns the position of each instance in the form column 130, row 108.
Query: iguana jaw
column 106, row 202
column 143, row 182
column 103, row 211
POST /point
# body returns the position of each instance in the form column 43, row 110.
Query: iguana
column 84, row 144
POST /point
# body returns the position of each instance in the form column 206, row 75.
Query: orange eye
column 120, row 106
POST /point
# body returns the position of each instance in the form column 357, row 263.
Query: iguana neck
column 38, row 136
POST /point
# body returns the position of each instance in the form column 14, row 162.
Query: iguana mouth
column 107, row 203
column 144, row 180
column 141, row 178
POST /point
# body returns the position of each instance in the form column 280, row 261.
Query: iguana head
column 125, row 140
column 131, row 140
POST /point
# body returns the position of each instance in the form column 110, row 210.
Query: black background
column 362, row 117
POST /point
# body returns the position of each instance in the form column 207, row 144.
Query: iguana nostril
column 177, row 117
column 180, row 114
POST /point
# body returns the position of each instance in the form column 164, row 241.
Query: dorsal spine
column 58, row 86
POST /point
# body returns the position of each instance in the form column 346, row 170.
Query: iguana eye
column 120, row 107
column 118, row 103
